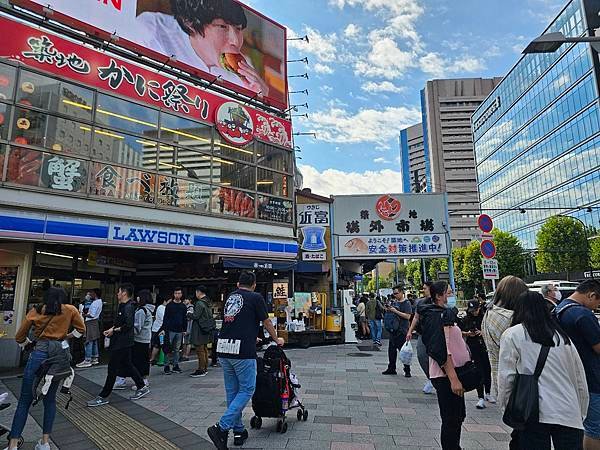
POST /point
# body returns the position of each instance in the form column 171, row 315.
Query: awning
column 310, row 267
column 248, row 263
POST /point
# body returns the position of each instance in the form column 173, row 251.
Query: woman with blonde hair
column 497, row 320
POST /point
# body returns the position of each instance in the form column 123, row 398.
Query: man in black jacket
column 174, row 327
column 121, row 335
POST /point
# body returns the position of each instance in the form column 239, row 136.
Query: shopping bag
column 406, row 353
column 106, row 342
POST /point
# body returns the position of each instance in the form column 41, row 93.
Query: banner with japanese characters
column 390, row 225
column 50, row 53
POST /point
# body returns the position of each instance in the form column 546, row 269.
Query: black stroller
column 276, row 390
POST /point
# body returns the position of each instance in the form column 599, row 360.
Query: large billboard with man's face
column 218, row 40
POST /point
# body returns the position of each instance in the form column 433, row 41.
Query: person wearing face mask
column 552, row 295
column 91, row 309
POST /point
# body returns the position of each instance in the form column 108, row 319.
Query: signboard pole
column 493, row 285
column 450, row 259
column 333, row 259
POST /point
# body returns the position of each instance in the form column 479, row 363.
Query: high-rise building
column 537, row 136
column 444, row 149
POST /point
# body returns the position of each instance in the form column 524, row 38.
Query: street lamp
column 551, row 42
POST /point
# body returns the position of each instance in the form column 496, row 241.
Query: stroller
column 276, row 390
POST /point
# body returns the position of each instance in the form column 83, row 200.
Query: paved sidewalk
column 351, row 406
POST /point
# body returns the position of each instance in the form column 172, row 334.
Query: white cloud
column 352, row 31
column 321, row 46
column 380, row 160
column 337, row 182
column 385, row 60
column 384, row 86
column 322, row 68
column 434, row 64
column 326, row 88
column 367, row 125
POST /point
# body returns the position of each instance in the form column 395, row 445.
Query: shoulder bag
column 31, row 346
column 524, row 403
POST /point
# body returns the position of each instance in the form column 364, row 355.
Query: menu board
column 8, row 283
column 275, row 209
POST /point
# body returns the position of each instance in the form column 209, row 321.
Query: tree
column 509, row 253
column 595, row 252
column 413, row 273
column 561, row 246
column 437, row 265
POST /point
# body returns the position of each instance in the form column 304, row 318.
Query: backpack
column 391, row 322
column 379, row 312
column 54, row 370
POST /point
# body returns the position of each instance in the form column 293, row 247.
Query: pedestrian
column 374, row 310
column 497, row 320
column 186, row 345
column 421, row 350
column 50, row 321
column 552, row 295
column 174, row 327
column 562, row 388
column 471, row 330
column 244, row 310
column 91, row 316
column 447, row 351
column 361, row 311
column 397, row 321
column 142, row 335
column 121, row 345
column 576, row 316
column 159, row 314
column 202, row 330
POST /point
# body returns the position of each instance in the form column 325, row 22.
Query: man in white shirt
column 156, row 329
column 91, row 309
column 198, row 34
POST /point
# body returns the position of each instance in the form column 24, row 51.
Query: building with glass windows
column 537, row 135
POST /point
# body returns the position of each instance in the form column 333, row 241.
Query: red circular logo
column 235, row 124
column 388, row 207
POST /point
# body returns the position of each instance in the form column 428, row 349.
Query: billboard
column 219, row 40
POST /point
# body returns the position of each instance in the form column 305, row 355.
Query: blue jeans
column 35, row 360
column 240, row 382
column 376, row 330
column 175, row 344
column 591, row 424
column 91, row 350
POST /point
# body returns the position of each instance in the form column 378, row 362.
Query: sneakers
column 146, row 383
column 198, row 373
column 239, row 438
column 490, row 398
column 218, row 437
column 98, row 401
column 84, row 364
column 176, row 369
column 120, row 384
column 389, row 372
column 167, row 369
column 428, row 388
column 480, row 404
column 95, row 361
column 41, row 446
column 140, row 393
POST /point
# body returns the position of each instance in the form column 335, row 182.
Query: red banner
column 51, row 53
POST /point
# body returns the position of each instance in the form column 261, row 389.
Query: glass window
column 54, row 95
column 8, row 74
column 122, row 183
column 273, row 157
column 232, row 202
column 56, row 172
column 183, row 194
column 234, row 174
column 125, row 149
column 183, row 162
column 4, row 120
column 128, row 116
column 273, row 183
column 222, row 148
column 3, row 149
column 275, row 209
column 185, row 132
column 55, row 133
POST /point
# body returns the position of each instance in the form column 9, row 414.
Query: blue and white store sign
column 54, row 228
column 313, row 239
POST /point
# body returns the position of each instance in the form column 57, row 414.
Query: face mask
column 88, row 297
column 451, row 302
column 557, row 295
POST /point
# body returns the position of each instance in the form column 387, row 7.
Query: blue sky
column 368, row 61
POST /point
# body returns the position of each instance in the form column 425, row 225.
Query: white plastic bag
column 406, row 353
column 106, row 342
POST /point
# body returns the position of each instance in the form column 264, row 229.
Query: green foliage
column 562, row 246
column 437, row 265
column 413, row 273
column 471, row 266
column 509, row 253
column 595, row 252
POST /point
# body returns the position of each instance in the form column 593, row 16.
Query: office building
column 413, row 163
column 537, row 135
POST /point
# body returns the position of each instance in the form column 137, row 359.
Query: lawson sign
column 150, row 236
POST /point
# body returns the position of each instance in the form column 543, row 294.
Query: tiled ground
column 351, row 406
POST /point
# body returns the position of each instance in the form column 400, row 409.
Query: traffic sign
column 488, row 248
column 485, row 223
column 490, row 269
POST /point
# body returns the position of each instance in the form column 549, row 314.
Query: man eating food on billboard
column 205, row 34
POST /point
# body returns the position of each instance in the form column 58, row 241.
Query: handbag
column 524, row 403
column 469, row 375
column 31, row 346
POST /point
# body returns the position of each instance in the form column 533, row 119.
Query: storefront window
column 54, row 95
column 184, row 163
column 273, row 157
column 232, row 202
column 222, row 148
column 122, row 183
column 234, row 174
column 185, row 133
column 4, row 120
column 56, row 172
column 121, row 148
column 127, row 116
column 8, row 74
column 184, row 194
column 273, row 183
column 54, row 133
column 3, row 149
column 275, row 209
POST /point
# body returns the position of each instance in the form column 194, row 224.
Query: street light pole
column 551, row 42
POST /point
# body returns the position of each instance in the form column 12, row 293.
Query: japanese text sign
column 312, row 214
column 280, row 290
column 490, row 269
column 401, row 246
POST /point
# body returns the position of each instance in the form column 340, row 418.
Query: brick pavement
column 351, row 405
